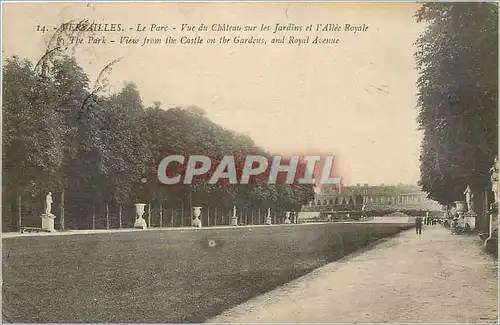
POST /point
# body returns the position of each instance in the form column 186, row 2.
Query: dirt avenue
column 434, row 277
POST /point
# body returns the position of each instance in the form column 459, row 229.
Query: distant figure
column 454, row 226
column 418, row 225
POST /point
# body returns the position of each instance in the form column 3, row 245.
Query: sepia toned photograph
column 249, row 162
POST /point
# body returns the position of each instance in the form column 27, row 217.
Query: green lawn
column 164, row 276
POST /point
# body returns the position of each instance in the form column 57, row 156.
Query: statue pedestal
column 287, row 218
column 48, row 222
column 460, row 207
column 491, row 243
column 469, row 218
column 234, row 221
column 140, row 223
column 493, row 223
column 196, row 222
column 269, row 221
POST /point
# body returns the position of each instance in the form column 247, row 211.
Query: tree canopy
column 457, row 60
column 60, row 135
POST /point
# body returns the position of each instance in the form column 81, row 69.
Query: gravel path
column 434, row 277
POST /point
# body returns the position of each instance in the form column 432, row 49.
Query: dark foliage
column 61, row 134
column 457, row 59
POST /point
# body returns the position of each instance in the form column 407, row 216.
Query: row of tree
column 457, row 59
column 96, row 151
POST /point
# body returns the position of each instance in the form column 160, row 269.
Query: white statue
column 268, row 217
column 48, row 204
column 469, row 195
column 234, row 218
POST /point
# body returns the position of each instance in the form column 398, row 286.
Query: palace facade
column 333, row 197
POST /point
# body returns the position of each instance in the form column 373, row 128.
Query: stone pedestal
column 469, row 218
column 491, row 243
column 269, row 220
column 48, row 222
column 196, row 222
column 460, row 207
column 234, row 218
column 287, row 218
column 139, row 221
column 493, row 223
column 493, row 226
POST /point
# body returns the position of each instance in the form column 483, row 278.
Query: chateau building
column 332, row 197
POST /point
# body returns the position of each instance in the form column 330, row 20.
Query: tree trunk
column 93, row 215
column 208, row 216
column 161, row 216
column 215, row 216
column 107, row 216
column 120, row 217
column 62, row 210
column 182, row 214
column 172, row 217
column 19, row 212
column 149, row 214
column 480, row 207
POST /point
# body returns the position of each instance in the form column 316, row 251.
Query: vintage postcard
column 249, row 162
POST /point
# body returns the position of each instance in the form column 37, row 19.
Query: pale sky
column 355, row 100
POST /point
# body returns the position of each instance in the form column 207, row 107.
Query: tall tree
column 102, row 151
column 32, row 135
column 457, row 62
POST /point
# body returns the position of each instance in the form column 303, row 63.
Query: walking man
column 418, row 225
